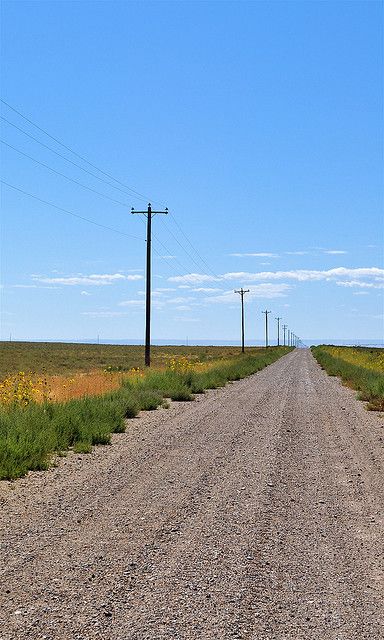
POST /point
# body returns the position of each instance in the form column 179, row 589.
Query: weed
column 360, row 368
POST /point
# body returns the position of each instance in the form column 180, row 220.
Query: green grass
column 59, row 358
column 30, row 436
column 368, row 382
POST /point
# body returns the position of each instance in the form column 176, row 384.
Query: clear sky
column 259, row 125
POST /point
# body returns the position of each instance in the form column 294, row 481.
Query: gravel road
column 255, row 512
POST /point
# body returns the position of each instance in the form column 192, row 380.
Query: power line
column 46, row 166
column 183, row 248
column 108, row 175
column 190, row 243
column 70, row 213
column 63, row 157
column 134, row 191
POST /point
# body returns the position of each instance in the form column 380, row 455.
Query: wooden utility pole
column 266, row 326
column 242, row 292
column 149, row 213
column 278, row 331
column 284, row 330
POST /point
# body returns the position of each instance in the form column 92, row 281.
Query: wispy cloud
column 297, row 253
column 358, row 283
column 95, row 279
column 132, row 303
column 264, row 290
column 204, row 289
column 334, row 252
column 103, row 314
column 255, row 255
column 299, row 275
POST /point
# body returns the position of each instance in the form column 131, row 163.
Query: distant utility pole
column 149, row 213
column 266, row 327
column 289, row 338
column 278, row 331
column 284, row 330
column 242, row 292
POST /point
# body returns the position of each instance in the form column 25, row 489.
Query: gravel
column 255, row 512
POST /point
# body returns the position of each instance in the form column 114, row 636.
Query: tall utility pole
column 149, row 213
column 278, row 331
column 266, row 327
column 289, row 338
column 242, row 292
column 284, row 330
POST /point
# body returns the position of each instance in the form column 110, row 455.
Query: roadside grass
column 360, row 368
column 32, row 433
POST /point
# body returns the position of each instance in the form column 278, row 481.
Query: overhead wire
column 105, row 173
column 46, row 166
column 71, row 213
column 192, row 246
column 133, row 191
column 63, row 157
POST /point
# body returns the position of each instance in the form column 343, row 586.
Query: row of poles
column 290, row 339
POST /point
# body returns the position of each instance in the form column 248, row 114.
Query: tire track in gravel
column 115, row 523
column 241, row 515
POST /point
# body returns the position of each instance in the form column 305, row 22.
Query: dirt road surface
column 254, row 512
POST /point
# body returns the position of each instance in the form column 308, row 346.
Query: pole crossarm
column 149, row 213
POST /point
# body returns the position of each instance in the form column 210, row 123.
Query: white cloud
column 263, row 290
column 131, row 303
column 334, row 252
column 193, row 278
column 297, row 253
column 179, row 300
column 254, row 255
column 300, row 275
column 377, row 284
column 205, row 289
column 186, row 319
column 85, row 293
column 99, row 279
column 103, row 314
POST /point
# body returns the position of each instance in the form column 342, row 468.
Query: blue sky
column 259, row 125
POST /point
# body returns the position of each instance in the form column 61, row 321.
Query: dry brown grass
column 94, row 383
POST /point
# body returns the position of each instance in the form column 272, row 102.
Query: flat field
column 60, row 358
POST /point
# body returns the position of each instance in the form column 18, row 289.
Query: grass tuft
column 360, row 368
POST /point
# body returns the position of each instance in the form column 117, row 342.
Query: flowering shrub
column 22, row 388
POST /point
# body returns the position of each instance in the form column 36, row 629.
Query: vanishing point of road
column 253, row 513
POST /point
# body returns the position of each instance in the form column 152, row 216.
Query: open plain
column 254, row 513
